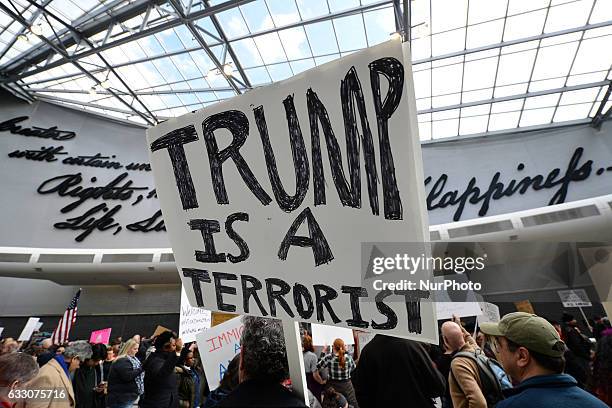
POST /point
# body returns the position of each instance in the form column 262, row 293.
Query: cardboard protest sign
column 159, row 330
column 192, row 319
column 28, row 329
column 218, row 346
column 255, row 232
column 323, row 335
column 101, row 336
column 524, row 306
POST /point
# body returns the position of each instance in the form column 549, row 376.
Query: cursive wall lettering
column 54, row 133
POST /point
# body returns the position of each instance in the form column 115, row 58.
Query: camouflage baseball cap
column 527, row 330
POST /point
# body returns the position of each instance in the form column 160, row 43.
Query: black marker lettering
column 323, row 299
column 355, row 293
column 207, row 228
column 316, row 240
column 248, row 291
column 220, row 289
column 238, row 240
column 278, row 295
column 197, row 276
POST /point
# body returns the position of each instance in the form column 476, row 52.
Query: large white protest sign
column 268, row 196
column 28, row 329
column 218, row 346
column 192, row 319
column 323, row 335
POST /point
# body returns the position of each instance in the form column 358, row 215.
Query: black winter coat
column 161, row 381
column 122, row 385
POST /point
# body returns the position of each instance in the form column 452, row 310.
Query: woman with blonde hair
column 126, row 377
column 341, row 366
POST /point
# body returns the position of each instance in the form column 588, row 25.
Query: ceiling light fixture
column 36, row 29
column 396, row 36
column 212, row 73
column 92, row 91
column 23, row 37
column 105, row 84
column 228, row 69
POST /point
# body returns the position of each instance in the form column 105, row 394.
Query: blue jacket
column 549, row 391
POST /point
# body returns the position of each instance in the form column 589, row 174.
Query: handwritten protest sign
column 254, row 232
column 490, row 313
column 100, row 336
column 192, row 319
column 28, row 329
column 325, row 335
column 218, row 346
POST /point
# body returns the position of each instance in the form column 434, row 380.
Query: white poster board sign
column 192, row 319
column 323, row 335
column 490, row 313
column 574, row 298
column 268, row 196
column 38, row 326
column 28, row 329
column 218, row 346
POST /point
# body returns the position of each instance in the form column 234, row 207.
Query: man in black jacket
column 263, row 365
column 396, row 372
column 161, row 380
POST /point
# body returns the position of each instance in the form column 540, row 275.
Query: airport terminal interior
column 184, row 170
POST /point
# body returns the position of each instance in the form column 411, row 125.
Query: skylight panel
column 340, row 5
column 586, row 78
column 572, row 112
column 169, row 40
column 473, row 124
column 486, row 10
column 484, row 34
column 601, row 12
column 569, row 15
column 257, row 16
column 425, row 130
column 312, row 8
column 579, row 96
column 594, row 54
column 502, row 121
column 258, row 76
column 448, row 42
column 322, row 38
column 448, row 14
column 515, row 68
column 422, row 83
column 326, row 58
column 270, row 48
column 350, row 33
column 446, row 79
column 233, row 23
column 278, row 72
column 247, row 52
column 507, row 106
column 539, row 116
column 207, row 24
column 524, row 25
column 302, row 65
column 379, row 24
column 521, row 6
column 445, row 128
column 479, row 74
column 295, row 43
column 510, row 90
column 283, row 12
column 554, row 61
column 545, row 84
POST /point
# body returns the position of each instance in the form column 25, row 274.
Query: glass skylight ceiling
column 479, row 65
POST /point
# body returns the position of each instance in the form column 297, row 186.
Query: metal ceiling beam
column 90, row 28
column 60, row 51
column 15, row 73
column 515, row 97
column 80, row 38
column 158, row 92
column 32, row 19
column 178, row 8
column 600, row 116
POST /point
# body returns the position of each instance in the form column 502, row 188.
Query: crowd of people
column 522, row 361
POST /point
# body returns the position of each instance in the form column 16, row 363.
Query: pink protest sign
column 100, row 336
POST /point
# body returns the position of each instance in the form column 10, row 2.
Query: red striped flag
column 61, row 333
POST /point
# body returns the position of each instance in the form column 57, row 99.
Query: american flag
column 61, row 333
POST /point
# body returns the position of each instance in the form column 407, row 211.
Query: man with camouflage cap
column 531, row 352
